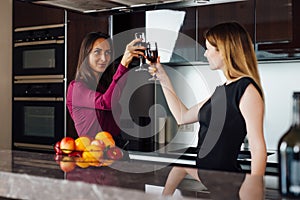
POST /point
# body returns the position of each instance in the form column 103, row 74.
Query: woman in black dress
column 234, row 110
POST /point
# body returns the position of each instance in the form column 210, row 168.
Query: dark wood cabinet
column 123, row 27
column 273, row 21
column 126, row 21
column 27, row 14
column 278, row 29
column 242, row 12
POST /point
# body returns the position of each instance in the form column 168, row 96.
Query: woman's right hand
column 132, row 51
column 158, row 70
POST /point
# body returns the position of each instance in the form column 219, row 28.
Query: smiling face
column 100, row 56
column 213, row 56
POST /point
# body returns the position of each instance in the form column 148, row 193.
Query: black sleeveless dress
column 222, row 127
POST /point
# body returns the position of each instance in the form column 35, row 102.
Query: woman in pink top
column 96, row 89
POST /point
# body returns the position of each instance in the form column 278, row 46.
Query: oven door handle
column 21, row 44
column 38, row 99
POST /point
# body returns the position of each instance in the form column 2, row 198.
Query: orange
column 103, row 134
column 95, row 163
column 109, row 142
column 82, row 142
column 80, row 162
column 92, row 153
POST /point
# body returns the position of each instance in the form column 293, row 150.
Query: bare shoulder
column 251, row 99
column 252, row 93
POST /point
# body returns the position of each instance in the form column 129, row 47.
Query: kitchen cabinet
column 123, row 28
column 273, row 26
column 277, row 29
column 27, row 14
column 207, row 16
column 189, row 45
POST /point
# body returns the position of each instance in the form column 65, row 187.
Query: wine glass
column 143, row 43
column 152, row 54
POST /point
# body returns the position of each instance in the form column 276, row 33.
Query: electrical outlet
column 186, row 128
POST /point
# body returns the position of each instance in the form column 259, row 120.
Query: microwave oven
column 39, row 50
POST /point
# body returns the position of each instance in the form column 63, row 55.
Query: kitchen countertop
column 32, row 175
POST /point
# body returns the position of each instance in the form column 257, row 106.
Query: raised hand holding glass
column 143, row 43
column 152, row 54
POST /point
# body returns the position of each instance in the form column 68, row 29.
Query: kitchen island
column 32, row 175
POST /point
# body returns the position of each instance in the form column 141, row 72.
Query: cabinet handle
column 38, row 99
column 39, row 43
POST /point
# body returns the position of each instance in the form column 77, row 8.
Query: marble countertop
column 32, row 175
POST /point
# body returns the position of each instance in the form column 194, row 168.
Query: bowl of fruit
column 85, row 151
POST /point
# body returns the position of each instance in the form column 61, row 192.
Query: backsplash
column 279, row 81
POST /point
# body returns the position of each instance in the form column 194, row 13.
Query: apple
column 114, row 153
column 57, row 149
column 58, row 158
column 67, row 164
column 67, row 145
column 75, row 154
column 98, row 143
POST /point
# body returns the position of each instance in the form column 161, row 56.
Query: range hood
column 90, row 6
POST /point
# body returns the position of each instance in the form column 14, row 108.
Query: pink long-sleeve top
column 90, row 110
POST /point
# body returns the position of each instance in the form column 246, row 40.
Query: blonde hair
column 236, row 46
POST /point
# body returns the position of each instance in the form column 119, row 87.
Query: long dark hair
column 84, row 72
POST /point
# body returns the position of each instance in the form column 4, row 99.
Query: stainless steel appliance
column 39, row 111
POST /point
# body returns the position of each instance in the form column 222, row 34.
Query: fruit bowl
column 85, row 151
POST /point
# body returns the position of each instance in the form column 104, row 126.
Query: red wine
column 141, row 59
column 152, row 55
column 144, row 44
column 289, row 154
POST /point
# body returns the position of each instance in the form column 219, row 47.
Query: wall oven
column 39, row 50
column 38, row 115
column 39, row 71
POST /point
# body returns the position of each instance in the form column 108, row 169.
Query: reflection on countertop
column 32, row 175
column 181, row 154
